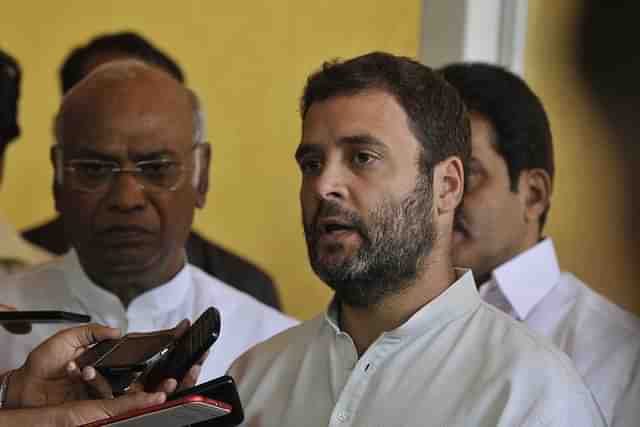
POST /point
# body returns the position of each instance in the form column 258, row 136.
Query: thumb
column 85, row 335
column 132, row 401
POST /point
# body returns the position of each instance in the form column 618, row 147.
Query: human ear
column 202, row 160
column 448, row 185
column 55, row 156
column 535, row 185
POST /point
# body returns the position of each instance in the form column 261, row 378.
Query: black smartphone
column 121, row 361
column 187, row 350
column 42, row 316
column 134, row 351
column 222, row 389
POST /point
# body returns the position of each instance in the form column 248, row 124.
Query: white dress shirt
column 16, row 253
column 602, row 340
column 456, row 362
column 63, row 285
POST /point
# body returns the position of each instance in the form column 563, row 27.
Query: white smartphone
column 176, row 413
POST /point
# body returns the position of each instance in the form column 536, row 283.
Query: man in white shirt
column 499, row 231
column 131, row 165
column 15, row 252
column 407, row 340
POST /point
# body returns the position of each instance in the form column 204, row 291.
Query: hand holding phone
column 150, row 358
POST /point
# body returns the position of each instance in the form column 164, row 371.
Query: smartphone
column 134, row 351
column 122, row 361
column 176, row 413
column 42, row 316
column 222, row 389
column 188, row 349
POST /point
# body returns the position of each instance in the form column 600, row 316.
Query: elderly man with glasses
column 131, row 165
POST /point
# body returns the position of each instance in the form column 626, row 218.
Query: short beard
column 395, row 244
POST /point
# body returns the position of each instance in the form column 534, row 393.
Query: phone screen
column 137, row 349
column 133, row 350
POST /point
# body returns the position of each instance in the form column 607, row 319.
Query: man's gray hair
column 199, row 119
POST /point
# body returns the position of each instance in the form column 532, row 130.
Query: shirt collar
column 526, row 279
column 102, row 302
column 458, row 299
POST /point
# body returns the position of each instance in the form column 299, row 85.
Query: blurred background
column 248, row 60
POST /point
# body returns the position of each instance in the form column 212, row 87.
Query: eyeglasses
column 98, row 176
column 92, row 175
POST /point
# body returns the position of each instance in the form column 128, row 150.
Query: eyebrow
column 359, row 139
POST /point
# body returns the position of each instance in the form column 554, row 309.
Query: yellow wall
column 248, row 60
column 585, row 219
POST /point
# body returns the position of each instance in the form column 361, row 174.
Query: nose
column 330, row 183
column 126, row 193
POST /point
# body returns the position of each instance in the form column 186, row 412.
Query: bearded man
column 406, row 340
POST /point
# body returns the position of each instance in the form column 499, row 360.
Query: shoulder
column 521, row 347
column 236, row 304
column 33, row 280
column 285, row 345
column 602, row 313
column 221, row 262
column 535, row 368
column 233, row 269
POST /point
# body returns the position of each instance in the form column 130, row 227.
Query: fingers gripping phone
column 122, row 361
column 152, row 357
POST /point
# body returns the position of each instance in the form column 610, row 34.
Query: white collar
column 527, row 278
column 458, row 299
column 152, row 303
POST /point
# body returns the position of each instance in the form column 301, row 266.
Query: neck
column 365, row 325
column 129, row 285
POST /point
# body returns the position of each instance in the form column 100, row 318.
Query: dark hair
column 436, row 114
column 522, row 131
column 9, row 93
column 609, row 61
column 129, row 43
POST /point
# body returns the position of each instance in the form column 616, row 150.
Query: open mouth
column 332, row 231
column 330, row 228
column 333, row 225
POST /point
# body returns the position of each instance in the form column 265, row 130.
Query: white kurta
column 602, row 339
column 456, row 362
column 63, row 285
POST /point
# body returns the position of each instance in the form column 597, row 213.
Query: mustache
column 332, row 209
